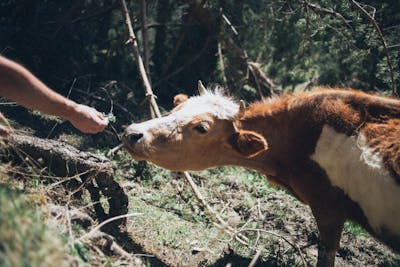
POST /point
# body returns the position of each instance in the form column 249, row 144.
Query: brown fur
column 179, row 99
column 277, row 138
column 292, row 125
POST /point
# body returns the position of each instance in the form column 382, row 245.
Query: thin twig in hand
column 113, row 150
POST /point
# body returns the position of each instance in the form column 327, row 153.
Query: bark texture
column 63, row 160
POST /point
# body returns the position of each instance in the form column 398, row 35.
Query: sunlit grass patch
column 25, row 240
column 354, row 229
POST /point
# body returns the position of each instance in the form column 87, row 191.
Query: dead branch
column 319, row 9
column 381, row 38
column 139, row 62
column 255, row 75
column 75, row 215
column 98, row 227
column 214, row 215
column 105, row 242
column 63, row 160
column 258, row 79
column 255, row 258
column 108, row 245
column 186, row 175
column 293, row 245
column 222, row 64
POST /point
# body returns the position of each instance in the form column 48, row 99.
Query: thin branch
column 108, row 221
column 222, row 64
column 394, row 46
column 252, row 71
column 382, row 39
column 230, row 24
column 209, row 209
column 319, row 9
column 139, row 62
column 255, row 258
column 293, row 245
column 260, row 79
column 186, row 175
column 68, row 95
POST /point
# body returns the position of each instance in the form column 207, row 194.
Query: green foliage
column 79, row 47
column 79, row 250
column 354, row 229
column 110, row 116
column 337, row 48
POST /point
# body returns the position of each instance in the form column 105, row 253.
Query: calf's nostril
column 134, row 137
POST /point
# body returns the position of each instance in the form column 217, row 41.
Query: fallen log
column 64, row 160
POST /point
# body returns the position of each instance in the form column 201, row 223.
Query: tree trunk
column 63, row 160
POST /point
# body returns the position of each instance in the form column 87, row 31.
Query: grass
column 173, row 224
column 167, row 234
column 244, row 199
column 29, row 235
column 25, row 240
column 234, row 193
column 354, row 229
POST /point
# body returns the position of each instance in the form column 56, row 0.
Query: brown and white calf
column 336, row 150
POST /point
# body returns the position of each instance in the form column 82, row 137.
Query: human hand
column 5, row 128
column 87, row 119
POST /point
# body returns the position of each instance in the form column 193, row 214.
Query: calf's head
column 199, row 133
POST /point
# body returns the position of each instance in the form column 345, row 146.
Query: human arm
column 21, row 86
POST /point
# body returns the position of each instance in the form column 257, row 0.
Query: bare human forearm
column 21, row 86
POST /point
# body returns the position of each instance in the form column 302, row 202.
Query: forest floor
column 168, row 226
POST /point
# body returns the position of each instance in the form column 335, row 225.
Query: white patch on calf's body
column 359, row 171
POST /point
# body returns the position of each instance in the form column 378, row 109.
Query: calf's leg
column 330, row 230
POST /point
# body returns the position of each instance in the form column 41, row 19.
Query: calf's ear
column 248, row 143
column 179, row 99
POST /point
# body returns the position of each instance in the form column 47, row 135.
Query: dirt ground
column 176, row 229
column 169, row 227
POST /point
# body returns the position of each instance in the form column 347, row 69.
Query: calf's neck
column 336, row 150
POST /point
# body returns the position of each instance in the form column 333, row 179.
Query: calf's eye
column 201, row 128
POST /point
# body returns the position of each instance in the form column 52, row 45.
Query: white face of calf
column 197, row 134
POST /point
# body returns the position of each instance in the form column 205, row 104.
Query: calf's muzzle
column 131, row 136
